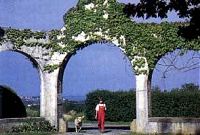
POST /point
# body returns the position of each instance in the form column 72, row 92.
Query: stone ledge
column 173, row 125
column 174, row 119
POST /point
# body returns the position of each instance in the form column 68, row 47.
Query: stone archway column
column 42, row 95
column 141, row 103
column 49, row 96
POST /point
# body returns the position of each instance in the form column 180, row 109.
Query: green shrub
column 71, row 115
column 74, row 105
column 32, row 112
column 33, row 126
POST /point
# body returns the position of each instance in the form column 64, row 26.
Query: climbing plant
column 102, row 21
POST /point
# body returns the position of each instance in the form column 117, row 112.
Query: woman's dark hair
column 100, row 99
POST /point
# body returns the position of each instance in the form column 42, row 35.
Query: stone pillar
column 49, row 96
column 149, row 98
column 141, row 103
column 42, row 96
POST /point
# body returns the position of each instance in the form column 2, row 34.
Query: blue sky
column 97, row 66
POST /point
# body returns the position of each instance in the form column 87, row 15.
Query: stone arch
column 175, row 54
column 65, row 63
column 60, row 84
column 149, row 81
column 192, row 57
column 69, row 55
column 168, row 124
column 151, row 71
column 31, row 59
column 61, row 72
column 26, row 51
column 36, row 65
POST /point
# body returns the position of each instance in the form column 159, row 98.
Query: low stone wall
column 7, row 123
column 173, row 125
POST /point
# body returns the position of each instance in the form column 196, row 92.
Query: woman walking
column 100, row 114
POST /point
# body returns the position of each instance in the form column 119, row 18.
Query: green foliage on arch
column 104, row 21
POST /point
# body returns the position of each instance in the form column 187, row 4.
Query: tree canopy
column 159, row 8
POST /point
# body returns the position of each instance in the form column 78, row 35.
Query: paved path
column 96, row 132
column 91, row 129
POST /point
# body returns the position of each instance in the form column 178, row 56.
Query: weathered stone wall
column 169, row 125
column 174, row 125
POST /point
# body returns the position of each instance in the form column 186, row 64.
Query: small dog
column 78, row 123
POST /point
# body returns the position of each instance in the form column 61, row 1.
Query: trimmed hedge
column 176, row 104
column 183, row 102
column 121, row 105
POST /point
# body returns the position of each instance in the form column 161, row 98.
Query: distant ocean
column 75, row 98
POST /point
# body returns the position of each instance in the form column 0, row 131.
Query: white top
column 97, row 107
